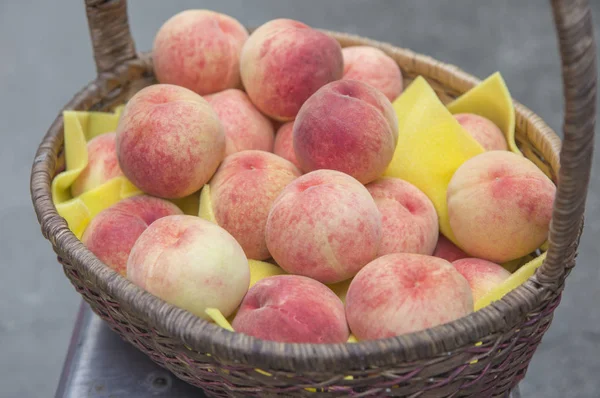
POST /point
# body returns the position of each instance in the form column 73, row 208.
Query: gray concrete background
column 45, row 57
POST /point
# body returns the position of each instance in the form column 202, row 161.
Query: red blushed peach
column 447, row 250
column 403, row 293
column 284, row 62
column 372, row 66
column 409, row 220
column 102, row 164
column 500, row 206
column 284, row 144
column 485, row 132
column 190, row 263
column 245, row 127
column 199, row 50
column 292, row 309
column 242, row 192
column 347, row 126
column 324, row 225
column 482, row 275
column 169, row 141
column 113, row 232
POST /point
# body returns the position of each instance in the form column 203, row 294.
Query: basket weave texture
column 483, row 354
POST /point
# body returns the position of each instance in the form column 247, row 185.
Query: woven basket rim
column 233, row 348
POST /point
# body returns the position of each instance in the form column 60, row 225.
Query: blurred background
column 45, row 57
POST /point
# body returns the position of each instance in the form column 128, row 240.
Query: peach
column 169, row 141
column 499, row 206
column 102, row 164
column 447, row 250
column 284, row 144
column 402, row 293
column 347, row 126
column 372, row 66
column 284, row 62
column 242, row 192
column 482, row 275
column 409, row 220
column 483, row 130
column 292, row 309
column 245, row 127
column 113, row 232
column 199, row 50
column 190, row 263
column 324, row 225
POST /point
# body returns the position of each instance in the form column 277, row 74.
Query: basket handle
column 573, row 19
column 113, row 44
column 109, row 30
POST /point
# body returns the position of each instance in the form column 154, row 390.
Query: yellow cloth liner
column 188, row 204
column 261, row 270
column 79, row 128
column 341, row 288
column 216, row 315
column 206, row 210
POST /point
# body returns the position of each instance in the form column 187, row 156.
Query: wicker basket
column 483, row 354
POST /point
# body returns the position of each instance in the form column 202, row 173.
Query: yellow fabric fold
column 79, row 128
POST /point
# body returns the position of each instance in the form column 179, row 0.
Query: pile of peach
column 290, row 135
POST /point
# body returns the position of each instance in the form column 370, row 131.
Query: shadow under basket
column 483, row 354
